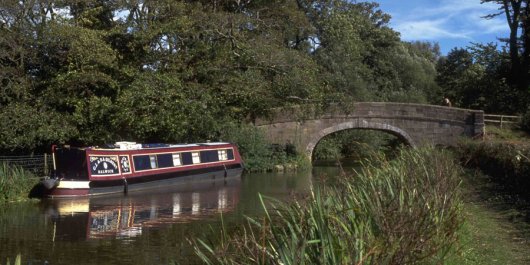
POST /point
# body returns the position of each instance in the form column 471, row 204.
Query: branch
column 492, row 16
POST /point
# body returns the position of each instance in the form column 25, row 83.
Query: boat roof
column 140, row 146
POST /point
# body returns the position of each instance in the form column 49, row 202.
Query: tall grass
column 15, row 183
column 394, row 212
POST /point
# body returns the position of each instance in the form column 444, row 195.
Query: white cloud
column 493, row 25
column 455, row 7
column 449, row 19
column 428, row 30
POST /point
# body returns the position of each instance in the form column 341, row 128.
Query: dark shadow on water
column 37, row 191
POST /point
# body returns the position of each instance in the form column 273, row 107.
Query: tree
column 517, row 13
column 475, row 78
column 25, row 128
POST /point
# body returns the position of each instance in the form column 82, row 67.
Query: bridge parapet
column 416, row 124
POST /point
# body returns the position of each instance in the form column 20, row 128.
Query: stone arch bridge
column 415, row 124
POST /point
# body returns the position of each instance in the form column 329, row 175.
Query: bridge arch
column 358, row 124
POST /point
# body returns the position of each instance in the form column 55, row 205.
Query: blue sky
column 452, row 23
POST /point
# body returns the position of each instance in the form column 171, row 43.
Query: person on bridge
column 447, row 102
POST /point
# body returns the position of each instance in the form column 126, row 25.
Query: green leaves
column 365, row 59
column 156, row 107
column 26, row 127
column 476, row 78
column 93, row 117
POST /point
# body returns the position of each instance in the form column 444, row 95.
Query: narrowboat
column 128, row 166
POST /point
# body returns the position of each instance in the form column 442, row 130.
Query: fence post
column 479, row 126
column 501, row 120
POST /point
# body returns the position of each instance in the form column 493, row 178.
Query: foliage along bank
column 507, row 162
column 356, row 145
column 403, row 211
column 258, row 154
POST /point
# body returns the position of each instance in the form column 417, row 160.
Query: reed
column 393, row 212
column 15, row 183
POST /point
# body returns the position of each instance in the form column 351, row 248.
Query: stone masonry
column 415, row 124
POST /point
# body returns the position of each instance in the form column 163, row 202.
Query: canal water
column 142, row 228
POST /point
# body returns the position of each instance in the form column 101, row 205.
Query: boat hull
column 74, row 188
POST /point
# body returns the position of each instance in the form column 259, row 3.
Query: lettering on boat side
column 104, row 165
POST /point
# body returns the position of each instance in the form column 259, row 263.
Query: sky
column 451, row 23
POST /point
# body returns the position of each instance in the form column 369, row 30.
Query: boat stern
column 55, row 188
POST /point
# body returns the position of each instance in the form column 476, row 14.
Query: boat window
column 230, row 154
column 176, row 160
column 152, row 159
column 222, row 155
column 141, row 162
column 195, row 157
column 186, row 158
column 164, row 160
column 209, row 156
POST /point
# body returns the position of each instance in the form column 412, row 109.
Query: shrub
column 328, row 148
column 402, row 211
column 15, row 182
column 356, row 144
column 257, row 153
column 506, row 162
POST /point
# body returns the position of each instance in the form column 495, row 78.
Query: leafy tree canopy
column 95, row 71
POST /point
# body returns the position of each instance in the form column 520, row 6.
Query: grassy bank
column 394, row 212
column 15, row 183
column 488, row 238
column 496, row 228
column 496, row 208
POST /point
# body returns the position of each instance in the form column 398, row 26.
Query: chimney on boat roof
column 128, row 145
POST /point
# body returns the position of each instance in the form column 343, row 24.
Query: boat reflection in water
column 125, row 216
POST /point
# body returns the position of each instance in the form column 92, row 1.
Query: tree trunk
column 525, row 64
column 513, row 17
